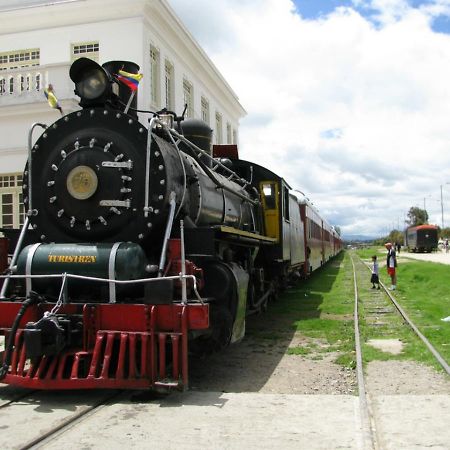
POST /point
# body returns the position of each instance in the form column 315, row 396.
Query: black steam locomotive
column 140, row 241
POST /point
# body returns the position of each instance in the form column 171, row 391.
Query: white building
column 40, row 39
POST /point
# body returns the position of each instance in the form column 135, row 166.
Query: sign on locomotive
column 141, row 241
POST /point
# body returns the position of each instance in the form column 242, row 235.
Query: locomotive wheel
column 221, row 330
column 222, row 322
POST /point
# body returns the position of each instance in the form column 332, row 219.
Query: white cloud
column 354, row 113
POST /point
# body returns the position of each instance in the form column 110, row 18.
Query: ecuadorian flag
column 130, row 79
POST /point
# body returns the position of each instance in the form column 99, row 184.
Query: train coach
column 422, row 238
column 143, row 244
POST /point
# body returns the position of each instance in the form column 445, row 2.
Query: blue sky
column 348, row 100
column 315, row 9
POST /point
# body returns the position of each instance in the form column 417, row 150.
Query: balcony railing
column 26, row 84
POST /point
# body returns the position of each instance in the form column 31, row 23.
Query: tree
column 417, row 216
column 444, row 232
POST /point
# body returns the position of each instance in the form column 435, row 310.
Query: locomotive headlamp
column 93, row 85
column 92, row 82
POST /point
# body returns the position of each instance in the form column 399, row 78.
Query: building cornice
column 185, row 44
column 81, row 12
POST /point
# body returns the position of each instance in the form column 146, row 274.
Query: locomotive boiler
column 143, row 244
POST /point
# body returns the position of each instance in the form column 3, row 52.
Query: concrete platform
column 212, row 420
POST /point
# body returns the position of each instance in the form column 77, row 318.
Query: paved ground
column 439, row 257
column 218, row 420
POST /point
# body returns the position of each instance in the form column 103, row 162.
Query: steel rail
column 367, row 420
column 68, row 423
column 402, row 312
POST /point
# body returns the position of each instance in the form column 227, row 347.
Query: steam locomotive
column 143, row 244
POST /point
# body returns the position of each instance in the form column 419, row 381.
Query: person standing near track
column 391, row 264
column 374, row 279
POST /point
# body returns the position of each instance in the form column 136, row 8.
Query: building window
column 12, row 211
column 219, row 138
column 85, row 50
column 205, row 110
column 154, row 76
column 188, row 97
column 11, row 85
column 168, row 85
column 229, row 136
column 38, row 81
column 2, row 86
column 234, row 137
column 19, row 58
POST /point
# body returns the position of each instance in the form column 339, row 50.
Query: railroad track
column 64, row 410
column 373, row 311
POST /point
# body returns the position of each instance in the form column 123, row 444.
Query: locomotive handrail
column 212, row 177
column 108, row 280
column 162, row 261
column 30, row 174
column 184, row 173
column 208, row 172
column 147, row 167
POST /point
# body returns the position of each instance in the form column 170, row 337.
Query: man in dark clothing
column 391, row 264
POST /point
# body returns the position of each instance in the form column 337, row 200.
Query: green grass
column 368, row 252
column 321, row 308
column 423, row 291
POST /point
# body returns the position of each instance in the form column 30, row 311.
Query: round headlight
column 92, row 85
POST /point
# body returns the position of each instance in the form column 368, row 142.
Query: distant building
column 40, row 39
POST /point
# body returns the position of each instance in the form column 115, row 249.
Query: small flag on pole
column 130, row 79
column 51, row 98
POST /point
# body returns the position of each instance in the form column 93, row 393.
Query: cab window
column 269, row 193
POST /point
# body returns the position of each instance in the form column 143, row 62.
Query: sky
column 348, row 100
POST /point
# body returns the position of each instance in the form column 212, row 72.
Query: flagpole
column 129, row 102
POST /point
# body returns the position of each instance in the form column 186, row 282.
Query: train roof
column 423, row 227
column 264, row 172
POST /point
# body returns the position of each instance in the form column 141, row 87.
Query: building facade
column 40, row 39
